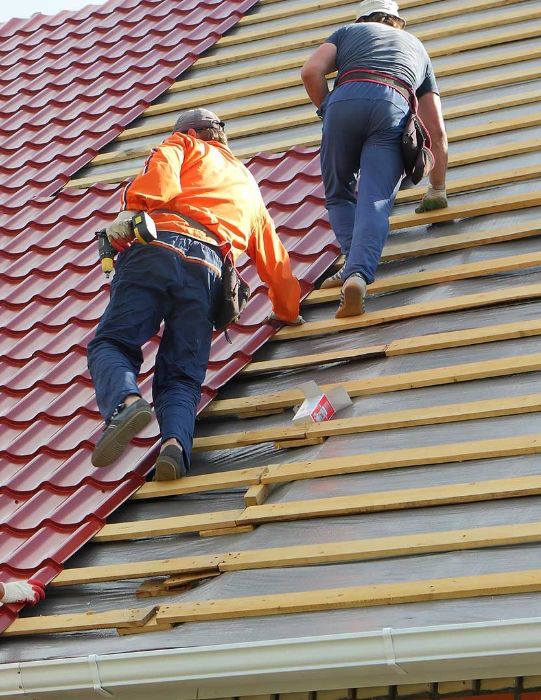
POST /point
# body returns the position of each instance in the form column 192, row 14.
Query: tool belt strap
column 357, row 75
column 192, row 223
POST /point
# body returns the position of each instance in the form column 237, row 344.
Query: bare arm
column 431, row 115
column 319, row 64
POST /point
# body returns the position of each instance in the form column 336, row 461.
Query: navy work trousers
column 150, row 285
column 361, row 144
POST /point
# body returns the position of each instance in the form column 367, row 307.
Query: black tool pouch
column 416, row 153
column 234, row 296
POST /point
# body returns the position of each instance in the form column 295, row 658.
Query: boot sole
column 353, row 302
column 166, row 469
column 113, row 446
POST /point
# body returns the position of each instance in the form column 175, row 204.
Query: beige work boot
column 352, row 296
column 336, row 280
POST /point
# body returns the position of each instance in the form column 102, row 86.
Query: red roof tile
column 71, row 83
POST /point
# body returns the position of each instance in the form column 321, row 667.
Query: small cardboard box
column 318, row 405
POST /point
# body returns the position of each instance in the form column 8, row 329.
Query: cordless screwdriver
column 144, row 231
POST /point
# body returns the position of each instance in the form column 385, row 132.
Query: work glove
column 435, row 198
column 120, row 232
column 30, row 591
column 273, row 319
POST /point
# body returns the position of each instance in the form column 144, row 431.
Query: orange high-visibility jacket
column 205, row 181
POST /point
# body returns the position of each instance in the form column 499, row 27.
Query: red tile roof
column 70, row 83
column 54, row 295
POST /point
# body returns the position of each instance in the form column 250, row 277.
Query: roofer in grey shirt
column 363, row 120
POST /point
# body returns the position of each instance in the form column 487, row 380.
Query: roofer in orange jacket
column 202, row 199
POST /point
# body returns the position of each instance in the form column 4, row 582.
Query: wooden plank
column 412, row 280
column 401, row 499
column 467, row 184
column 80, row 622
column 151, row 626
column 459, row 241
column 245, row 438
column 160, row 527
column 470, row 336
column 467, row 133
column 219, row 532
column 282, row 12
column 310, row 20
column 367, row 353
column 360, row 596
column 527, row 31
column 433, row 415
column 200, row 484
column 399, row 313
column 152, row 589
column 383, row 547
column 131, row 570
column 182, row 579
column 376, row 548
column 270, row 79
column 307, row 442
column 256, row 495
column 405, row 346
column 398, row 459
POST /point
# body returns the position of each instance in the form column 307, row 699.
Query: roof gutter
column 385, row 657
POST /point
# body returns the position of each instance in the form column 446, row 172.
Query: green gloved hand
column 435, row 198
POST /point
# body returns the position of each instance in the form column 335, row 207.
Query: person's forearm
column 316, row 87
column 439, row 171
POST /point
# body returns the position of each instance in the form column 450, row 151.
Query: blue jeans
column 362, row 129
column 150, row 285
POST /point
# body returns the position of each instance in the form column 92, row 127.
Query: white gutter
column 386, row 657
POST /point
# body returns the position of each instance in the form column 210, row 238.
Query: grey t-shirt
column 379, row 47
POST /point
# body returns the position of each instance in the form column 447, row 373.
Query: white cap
column 389, row 7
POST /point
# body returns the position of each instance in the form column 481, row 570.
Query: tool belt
column 356, row 75
column 416, row 154
column 235, row 292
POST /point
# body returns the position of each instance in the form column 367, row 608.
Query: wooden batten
column 151, row 626
column 405, row 346
column 180, row 580
column 356, row 597
column 383, row 547
column 80, row 622
column 411, row 457
column 161, row 527
column 132, row 570
column 219, row 532
column 353, row 550
column 459, row 241
column 307, row 442
column 401, row 499
column 439, row 275
column 199, row 484
column 469, row 371
column 373, row 318
column 256, row 495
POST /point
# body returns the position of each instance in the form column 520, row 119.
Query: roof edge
column 384, row 657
